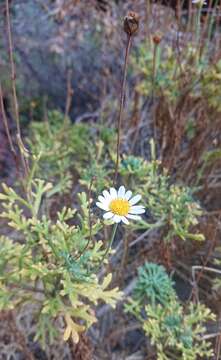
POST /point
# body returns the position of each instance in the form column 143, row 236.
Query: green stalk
column 110, row 242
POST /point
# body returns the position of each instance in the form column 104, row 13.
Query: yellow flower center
column 119, row 207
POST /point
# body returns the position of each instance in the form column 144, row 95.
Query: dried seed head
column 131, row 23
column 157, row 38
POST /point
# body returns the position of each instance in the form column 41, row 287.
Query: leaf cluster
column 169, row 205
column 175, row 330
column 59, row 147
column 52, row 263
column 167, row 73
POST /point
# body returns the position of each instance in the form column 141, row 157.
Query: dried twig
column 5, row 122
column 218, row 347
column 14, row 93
column 195, row 281
column 201, row 268
column 131, row 25
column 120, row 117
column 13, row 73
column 69, row 96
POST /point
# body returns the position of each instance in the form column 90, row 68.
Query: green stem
column 122, row 98
column 111, row 241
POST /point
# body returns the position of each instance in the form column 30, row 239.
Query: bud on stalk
column 131, row 23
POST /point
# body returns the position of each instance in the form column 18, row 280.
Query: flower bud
column 157, row 38
column 131, row 23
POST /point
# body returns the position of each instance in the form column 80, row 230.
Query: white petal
column 113, row 193
column 108, row 215
column 106, row 194
column 134, row 217
column 101, row 199
column 121, row 192
column 125, row 221
column 104, row 201
column 135, row 199
column 102, row 206
column 137, row 210
column 128, row 195
column 117, row 218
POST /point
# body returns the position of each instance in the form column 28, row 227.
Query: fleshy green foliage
column 169, row 205
column 62, row 149
column 153, row 284
column 168, row 79
column 134, row 166
column 51, row 263
column 210, row 86
column 59, row 145
column 143, row 65
column 171, row 327
column 96, row 172
column 174, row 330
column 172, row 72
column 100, row 167
column 54, row 262
column 108, row 136
column 175, row 206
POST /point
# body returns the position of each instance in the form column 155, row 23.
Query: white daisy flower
column 120, row 205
